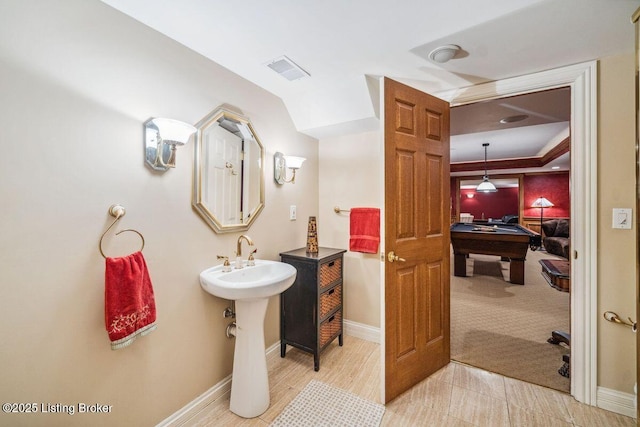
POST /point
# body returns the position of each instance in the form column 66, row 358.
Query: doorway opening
column 582, row 79
column 497, row 324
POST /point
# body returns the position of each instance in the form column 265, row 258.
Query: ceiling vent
column 287, row 68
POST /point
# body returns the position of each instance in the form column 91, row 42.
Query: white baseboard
column 617, row 401
column 362, row 331
column 186, row 413
column 221, row 389
column 610, row 400
column 193, row 408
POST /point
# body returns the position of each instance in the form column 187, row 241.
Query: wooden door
column 417, row 217
column 225, row 170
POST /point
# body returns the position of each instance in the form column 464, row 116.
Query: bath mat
column 320, row 404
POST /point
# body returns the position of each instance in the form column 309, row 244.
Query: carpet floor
column 502, row 327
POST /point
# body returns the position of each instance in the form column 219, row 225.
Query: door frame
column 582, row 79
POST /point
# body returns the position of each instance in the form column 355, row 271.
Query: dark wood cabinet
column 311, row 309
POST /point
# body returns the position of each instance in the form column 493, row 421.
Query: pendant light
column 486, row 186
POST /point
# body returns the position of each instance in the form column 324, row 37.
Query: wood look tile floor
column 457, row 395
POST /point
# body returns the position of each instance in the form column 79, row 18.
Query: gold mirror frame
column 224, row 184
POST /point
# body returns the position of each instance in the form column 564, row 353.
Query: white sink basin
column 251, row 288
column 265, row 279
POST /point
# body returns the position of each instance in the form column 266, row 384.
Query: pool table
column 509, row 241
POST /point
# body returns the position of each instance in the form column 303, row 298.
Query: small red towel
column 364, row 230
column 129, row 305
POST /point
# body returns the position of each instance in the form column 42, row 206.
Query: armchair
column 556, row 237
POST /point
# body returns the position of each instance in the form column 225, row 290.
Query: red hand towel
column 129, row 305
column 364, row 230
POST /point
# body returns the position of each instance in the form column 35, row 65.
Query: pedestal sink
column 251, row 288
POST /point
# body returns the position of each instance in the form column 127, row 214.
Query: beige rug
column 503, row 328
column 320, row 404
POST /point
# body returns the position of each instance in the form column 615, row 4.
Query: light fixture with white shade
column 280, row 165
column 443, row 54
column 541, row 203
column 486, row 186
column 161, row 139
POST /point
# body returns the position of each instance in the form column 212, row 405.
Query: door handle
column 392, row 257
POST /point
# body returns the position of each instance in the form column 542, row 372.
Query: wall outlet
column 292, row 212
column 622, row 218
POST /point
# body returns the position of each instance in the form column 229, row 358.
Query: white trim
column 223, row 388
column 193, row 408
column 617, row 401
column 610, row 400
column 362, row 331
column 383, row 232
column 582, row 78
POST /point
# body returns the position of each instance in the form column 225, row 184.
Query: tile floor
column 457, row 395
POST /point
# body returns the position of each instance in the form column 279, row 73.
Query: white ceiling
column 346, row 45
column 546, row 121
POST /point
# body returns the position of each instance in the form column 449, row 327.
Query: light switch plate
column 292, row 212
column 622, row 218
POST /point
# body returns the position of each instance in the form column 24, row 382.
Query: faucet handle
column 251, row 261
column 226, row 267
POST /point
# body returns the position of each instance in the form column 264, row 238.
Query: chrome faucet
column 239, row 249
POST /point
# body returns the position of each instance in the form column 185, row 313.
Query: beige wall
column 77, row 80
column 616, row 248
column 350, row 176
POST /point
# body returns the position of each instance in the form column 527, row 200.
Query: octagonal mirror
column 228, row 180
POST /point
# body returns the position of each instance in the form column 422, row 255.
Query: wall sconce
column 471, row 195
column 161, row 139
column 280, row 165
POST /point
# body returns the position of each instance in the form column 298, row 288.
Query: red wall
column 554, row 187
column 492, row 205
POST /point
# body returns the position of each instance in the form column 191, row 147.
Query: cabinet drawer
column 330, row 328
column 330, row 272
column 330, row 300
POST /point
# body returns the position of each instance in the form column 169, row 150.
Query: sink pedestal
column 250, row 287
column 250, row 381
